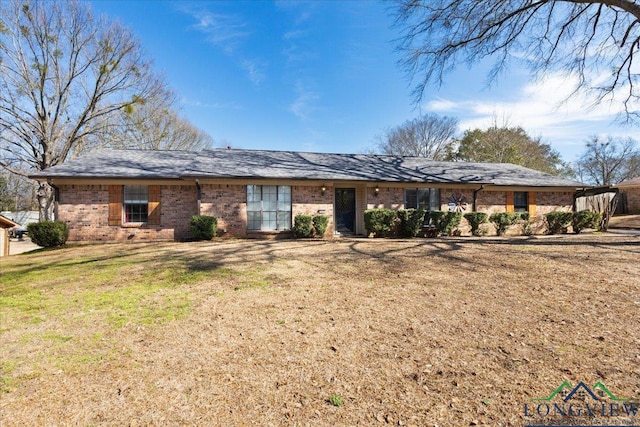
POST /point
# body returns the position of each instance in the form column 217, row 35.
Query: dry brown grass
column 447, row 332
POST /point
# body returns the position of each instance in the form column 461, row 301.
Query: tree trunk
column 46, row 201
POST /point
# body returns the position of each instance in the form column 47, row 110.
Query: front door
column 345, row 208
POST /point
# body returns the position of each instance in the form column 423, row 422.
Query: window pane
column 284, row 193
column 135, row 194
column 520, row 201
column 434, row 199
column 411, row 199
column 423, row 199
column 268, row 207
column 284, row 220
column 254, row 206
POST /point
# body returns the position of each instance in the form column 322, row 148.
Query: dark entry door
column 345, row 208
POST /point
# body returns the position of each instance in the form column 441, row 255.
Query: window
column 268, row 207
column 136, row 203
column 427, row 199
column 520, row 201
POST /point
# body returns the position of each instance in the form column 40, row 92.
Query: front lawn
column 447, row 332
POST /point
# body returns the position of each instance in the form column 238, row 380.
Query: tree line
column 604, row 161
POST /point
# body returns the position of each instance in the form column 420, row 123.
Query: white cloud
column 543, row 108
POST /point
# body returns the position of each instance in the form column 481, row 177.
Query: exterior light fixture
column 376, row 190
column 323, row 189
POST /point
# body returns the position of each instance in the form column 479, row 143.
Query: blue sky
column 323, row 76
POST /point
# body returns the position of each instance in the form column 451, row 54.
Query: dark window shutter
column 115, row 205
column 154, row 205
column 510, row 207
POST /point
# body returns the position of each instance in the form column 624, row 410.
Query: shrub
column 380, row 222
column 320, row 224
column 449, row 221
column 502, row 221
column 435, row 217
column 303, row 226
column 525, row 223
column 475, row 219
column 411, row 221
column 203, row 227
column 48, row 234
column 585, row 219
column 558, row 221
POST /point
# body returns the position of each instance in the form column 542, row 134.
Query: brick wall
column 633, row 199
column 309, row 200
column 228, row 203
column 85, row 209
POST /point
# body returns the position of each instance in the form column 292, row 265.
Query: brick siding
column 85, row 208
column 633, row 199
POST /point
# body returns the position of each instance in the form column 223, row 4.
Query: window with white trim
column 268, row 207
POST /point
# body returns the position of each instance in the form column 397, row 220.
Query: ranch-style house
column 138, row 194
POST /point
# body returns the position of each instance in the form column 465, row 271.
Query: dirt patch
column 446, row 332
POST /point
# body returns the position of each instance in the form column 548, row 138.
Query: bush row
column 377, row 222
column 409, row 222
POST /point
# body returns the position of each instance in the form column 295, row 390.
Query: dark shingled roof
column 262, row 164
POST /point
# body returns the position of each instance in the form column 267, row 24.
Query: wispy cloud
column 222, row 30
column 303, row 105
column 215, row 105
column 227, row 32
column 255, row 70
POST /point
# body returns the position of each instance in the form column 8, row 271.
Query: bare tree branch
column 586, row 39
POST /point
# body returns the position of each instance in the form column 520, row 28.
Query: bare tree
column 610, row 161
column 155, row 125
column 596, row 41
column 507, row 145
column 17, row 193
column 63, row 76
column 425, row 136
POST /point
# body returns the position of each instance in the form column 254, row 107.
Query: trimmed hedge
column 411, row 221
column 380, row 222
column 48, row 234
column 203, row 227
column 503, row 220
column 449, row 222
column 320, row 224
column 558, row 221
column 303, row 226
column 585, row 219
column 475, row 219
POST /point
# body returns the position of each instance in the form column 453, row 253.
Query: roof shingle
column 264, row 164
